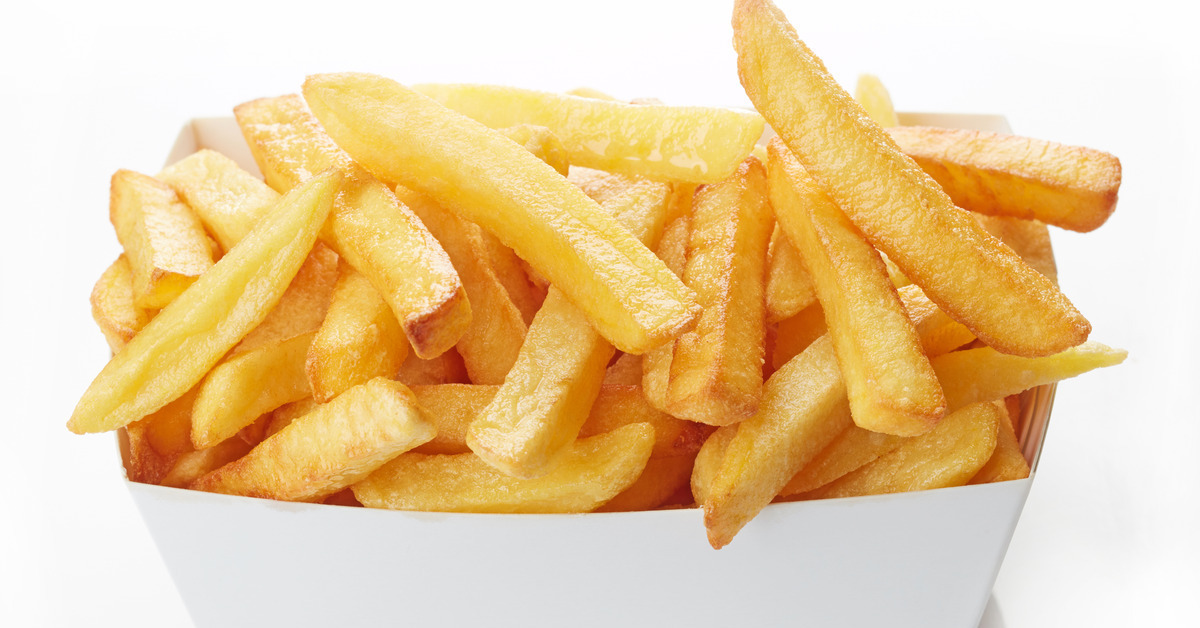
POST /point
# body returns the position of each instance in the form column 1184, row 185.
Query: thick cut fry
column 793, row 335
column 328, row 449
column 902, row 211
column 627, row 294
column 546, row 396
column 163, row 239
column 226, row 198
column 527, row 295
column 358, row 341
column 368, row 226
column 304, row 304
column 1029, row 238
column 491, row 342
column 113, row 308
column 656, row 363
column 891, row 386
column 984, row 374
column 1007, row 175
column 186, row 339
column 789, row 287
column 660, row 481
column 709, row 460
column 803, row 408
column 248, row 385
column 157, row 441
column 875, row 100
column 1006, row 462
column 716, row 372
column 593, row 471
column 452, row 407
column 949, row 455
column 697, row 144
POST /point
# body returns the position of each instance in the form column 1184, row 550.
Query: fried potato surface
column 113, row 307
column 226, row 198
column 789, row 287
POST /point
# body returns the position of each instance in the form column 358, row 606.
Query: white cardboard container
column 922, row 559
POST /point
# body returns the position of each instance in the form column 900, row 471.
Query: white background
column 1108, row 537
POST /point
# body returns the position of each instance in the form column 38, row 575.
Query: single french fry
column 328, row 449
column 891, row 386
column 185, row 340
column 949, row 455
column 593, row 471
column 709, row 460
column 716, row 372
column 984, row 374
column 793, row 335
column 1007, row 175
column 403, row 137
column 163, row 239
column 368, row 226
column 789, row 287
column 226, row 198
column 491, row 342
column 697, row 144
column 358, row 341
column 545, row 398
column 113, row 307
column 875, row 100
column 1007, row 462
column 656, row 363
column 898, row 207
column 283, row 416
column 1029, row 238
column 246, row 386
column 660, row 481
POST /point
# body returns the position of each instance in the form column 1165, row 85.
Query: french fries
column 419, row 309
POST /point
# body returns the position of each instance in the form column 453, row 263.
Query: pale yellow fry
column 163, row 239
column 984, row 374
column 113, row 308
column 697, row 144
column 403, row 137
column 949, row 455
column 328, row 449
column 875, row 100
column 358, row 341
column 248, row 385
column 490, row 345
column 716, row 372
column 852, row 449
column 789, row 286
column 186, row 339
column 368, row 226
column 593, row 471
column 542, row 143
column 890, row 384
column 227, row 199
column 898, row 207
column 1007, row 175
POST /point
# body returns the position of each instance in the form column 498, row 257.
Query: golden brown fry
column 226, row 198
column 283, row 416
column 709, row 460
column 897, row 206
column 789, row 287
column 186, row 339
column 368, row 226
column 303, row 306
column 938, row 332
column 949, row 455
column 852, row 449
column 513, row 273
column 793, row 335
column 113, row 308
column 447, row 368
column 403, row 137
column 359, row 339
column 159, row 440
column 626, row 370
column 984, row 374
column 328, row 449
column 875, row 100
column 195, row 464
column 891, row 386
column 163, row 239
column 593, row 471
column 246, row 386
column 1007, row 175
column 716, row 372
column 1006, row 462
column 697, row 144
column 660, row 481
column 1029, row 238
column 656, row 363
column 491, row 342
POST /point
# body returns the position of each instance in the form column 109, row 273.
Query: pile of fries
column 488, row 299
